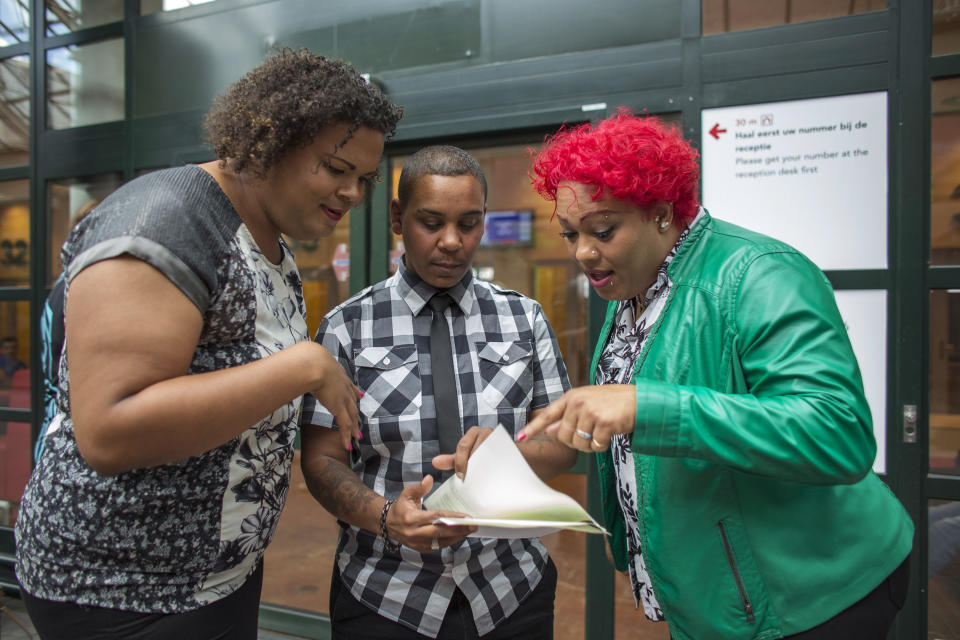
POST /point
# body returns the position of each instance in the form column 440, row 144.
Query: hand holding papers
column 505, row 498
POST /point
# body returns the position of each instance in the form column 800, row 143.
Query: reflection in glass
column 15, row 233
column 15, row 450
column 14, row 111
column 375, row 37
column 945, row 172
column 14, row 22
column 85, row 84
column 943, row 570
column 153, row 6
column 67, row 202
column 945, row 381
column 325, row 270
column 299, row 562
column 67, row 16
column 945, row 37
column 723, row 16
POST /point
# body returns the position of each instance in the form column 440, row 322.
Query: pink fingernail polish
column 350, row 447
column 362, row 394
column 359, row 435
column 521, row 437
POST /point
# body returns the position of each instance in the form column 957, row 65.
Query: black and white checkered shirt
column 508, row 365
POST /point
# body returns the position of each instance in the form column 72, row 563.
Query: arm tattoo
column 339, row 489
column 545, row 456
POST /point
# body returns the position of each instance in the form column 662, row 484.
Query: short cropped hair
column 438, row 160
column 635, row 159
column 286, row 102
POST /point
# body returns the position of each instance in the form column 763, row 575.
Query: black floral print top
column 170, row 538
column 616, row 367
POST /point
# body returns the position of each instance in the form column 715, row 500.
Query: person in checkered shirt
column 398, row 575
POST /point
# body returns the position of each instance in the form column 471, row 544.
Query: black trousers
column 871, row 617
column 230, row 618
column 533, row 619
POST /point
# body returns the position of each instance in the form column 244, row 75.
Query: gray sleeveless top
column 170, row 538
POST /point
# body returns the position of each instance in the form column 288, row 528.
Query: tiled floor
column 12, row 616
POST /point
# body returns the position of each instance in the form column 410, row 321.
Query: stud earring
column 664, row 224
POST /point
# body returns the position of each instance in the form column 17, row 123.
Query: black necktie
column 444, row 382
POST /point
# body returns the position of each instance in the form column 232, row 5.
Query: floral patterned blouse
column 171, row 538
column 616, row 367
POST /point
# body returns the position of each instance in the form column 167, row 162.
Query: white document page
column 505, row 498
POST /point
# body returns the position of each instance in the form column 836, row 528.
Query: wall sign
column 812, row 173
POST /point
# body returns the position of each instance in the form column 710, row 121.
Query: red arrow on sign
column 716, row 131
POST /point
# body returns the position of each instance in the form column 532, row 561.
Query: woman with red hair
column 734, row 441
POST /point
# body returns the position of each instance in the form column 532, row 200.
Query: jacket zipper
column 744, row 598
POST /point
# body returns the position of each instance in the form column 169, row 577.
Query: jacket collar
column 702, row 222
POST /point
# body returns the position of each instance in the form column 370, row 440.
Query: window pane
column 67, row 16
column 15, row 455
column 14, row 22
column 15, row 111
column 85, row 84
column 722, row 16
column 14, row 355
column 376, row 36
column 943, row 570
column 945, row 381
column 946, row 27
column 299, row 562
column 945, row 172
column 67, row 202
column 15, row 233
column 153, row 6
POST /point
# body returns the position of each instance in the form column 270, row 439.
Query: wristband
column 388, row 544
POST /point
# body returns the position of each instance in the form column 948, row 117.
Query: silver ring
column 583, row 434
column 435, row 544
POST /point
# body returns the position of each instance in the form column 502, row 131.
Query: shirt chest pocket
column 505, row 375
column 390, row 380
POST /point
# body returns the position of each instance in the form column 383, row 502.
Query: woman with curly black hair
column 187, row 355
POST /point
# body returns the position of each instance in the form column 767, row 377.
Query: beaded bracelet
column 389, row 545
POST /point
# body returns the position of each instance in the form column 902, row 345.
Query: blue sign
column 508, row 228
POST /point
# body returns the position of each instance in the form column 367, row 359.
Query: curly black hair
column 285, row 103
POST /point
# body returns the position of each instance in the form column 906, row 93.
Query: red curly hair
column 636, row 159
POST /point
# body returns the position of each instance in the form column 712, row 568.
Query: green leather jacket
column 760, row 516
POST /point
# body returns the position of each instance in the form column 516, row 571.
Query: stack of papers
column 505, row 498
